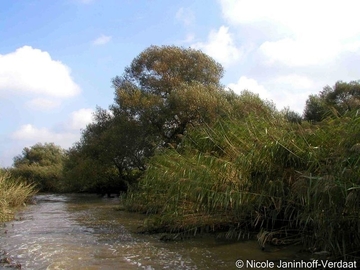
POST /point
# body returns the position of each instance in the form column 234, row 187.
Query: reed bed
column 256, row 173
column 13, row 194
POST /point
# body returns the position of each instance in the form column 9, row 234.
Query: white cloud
column 185, row 15
column 283, row 97
column 295, row 81
column 298, row 47
column 42, row 104
column 80, row 118
column 220, row 46
column 299, row 52
column 335, row 19
column 29, row 70
column 302, row 32
column 31, row 135
column 292, row 90
column 102, row 40
column 68, row 133
column 285, row 91
column 249, row 84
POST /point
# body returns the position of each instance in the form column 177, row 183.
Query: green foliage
column 315, row 109
column 109, row 156
column 260, row 173
column 84, row 174
column 343, row 96
column 41, row 164
column 291, row 116
column 169, row 89
column 196, row 157
column 160, row 70
column 164, row 92
column 337, row 100
column 13, row 193
column 40, row 154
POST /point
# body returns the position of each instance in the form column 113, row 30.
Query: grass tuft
column 13, row 194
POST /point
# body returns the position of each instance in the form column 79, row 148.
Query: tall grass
column 258, row 173
column 13, row 194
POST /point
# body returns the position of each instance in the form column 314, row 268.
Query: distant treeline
column 197, row 157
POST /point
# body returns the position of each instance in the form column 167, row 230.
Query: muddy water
column 85, row 232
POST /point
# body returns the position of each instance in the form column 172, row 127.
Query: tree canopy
column 161, row 69
column 41, row 164
column 339, row 99
column 110, row 151
column 40, row 154
column 198, row 157
column 163, row 92
column 167, row 88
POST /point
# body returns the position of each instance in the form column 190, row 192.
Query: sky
column 57, row 58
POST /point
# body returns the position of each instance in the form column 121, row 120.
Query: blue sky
column 57, row 58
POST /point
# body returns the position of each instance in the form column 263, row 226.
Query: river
column 86, row 232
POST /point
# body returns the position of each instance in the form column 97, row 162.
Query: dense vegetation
column 338, row 100
column 41, row 164
column 196, row 157
column 260, row 173
column 163, row 92
column 13, row 194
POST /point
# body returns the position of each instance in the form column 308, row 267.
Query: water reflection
column 85, row 232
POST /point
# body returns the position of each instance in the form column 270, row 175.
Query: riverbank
column 14, row 193
column 284, row 182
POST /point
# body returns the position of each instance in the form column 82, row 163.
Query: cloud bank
column 287, row 50
column 220, row 46
column 65, row 137
column 33, row 72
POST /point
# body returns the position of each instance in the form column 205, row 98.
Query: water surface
column 86, row 232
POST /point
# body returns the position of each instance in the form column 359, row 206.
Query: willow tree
column 40, row 154
column 109, row 156
column 341, row 98
column 168, row 88
column 41, row 164
column 163, row 92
